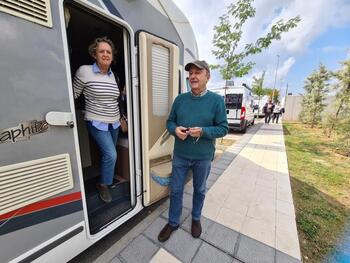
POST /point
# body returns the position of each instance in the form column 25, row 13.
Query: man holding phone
column 196, row 119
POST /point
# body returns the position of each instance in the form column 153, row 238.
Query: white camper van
column 49, row 206
column 239, row 106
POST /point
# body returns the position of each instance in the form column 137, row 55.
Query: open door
column 99, row 213
column 159, row 80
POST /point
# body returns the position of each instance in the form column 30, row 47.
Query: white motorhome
column 239, row 106
column 49, row 207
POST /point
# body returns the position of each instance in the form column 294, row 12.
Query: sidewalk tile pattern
column 164, row 256
column 248, row 215
column 140, row 250
column 209, row 253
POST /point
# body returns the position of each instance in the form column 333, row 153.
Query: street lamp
column 274, row 85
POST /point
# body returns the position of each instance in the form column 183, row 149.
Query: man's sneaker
column 105, row 195
column 166, row 232
column 196, row 228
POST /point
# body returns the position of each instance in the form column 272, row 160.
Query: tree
column 340, row 119
column 227, row 36
column 316, row 87
column 274, row 94
column 258, row 88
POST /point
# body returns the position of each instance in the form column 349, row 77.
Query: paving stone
column 252, row 251
column 213, row 177
column 221, row 237
column 228, row 156
column 140, row 249
column 219, row 165
column 205, row 222
column 185, row 213
column 188, row 189
column 224, row 162
column 216, row 170
column 209, row 184
column 284, row 258
column 187, row 201
column 152, row 231
column 115, row 260
column 183, row 245
column 208, row 253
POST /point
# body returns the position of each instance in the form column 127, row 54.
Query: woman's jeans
column 181, row 166
column 275, row 117
column 106, row 141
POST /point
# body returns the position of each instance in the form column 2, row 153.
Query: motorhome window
column 233, row 101
column 160, row 80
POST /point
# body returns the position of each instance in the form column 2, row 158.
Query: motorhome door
column 159, row 80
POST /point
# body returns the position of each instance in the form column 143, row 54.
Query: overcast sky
column 323, row 35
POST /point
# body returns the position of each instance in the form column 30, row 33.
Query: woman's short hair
column 93, row 46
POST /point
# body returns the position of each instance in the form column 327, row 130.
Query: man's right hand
column 181, row 132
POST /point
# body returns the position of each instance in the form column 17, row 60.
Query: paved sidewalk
column 248, row 214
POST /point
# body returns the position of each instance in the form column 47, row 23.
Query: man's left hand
column 195, row 131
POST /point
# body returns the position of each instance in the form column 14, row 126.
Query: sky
column 322, row 36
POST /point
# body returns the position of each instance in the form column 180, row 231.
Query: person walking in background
column 98, row 84
column 196, row 119
column 277, row 111
column 268, row 110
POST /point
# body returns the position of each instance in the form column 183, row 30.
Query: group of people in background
column 272, row 111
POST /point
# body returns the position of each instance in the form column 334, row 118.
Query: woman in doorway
column 98, row 84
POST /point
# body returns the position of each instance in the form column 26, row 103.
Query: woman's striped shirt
column 101, row 94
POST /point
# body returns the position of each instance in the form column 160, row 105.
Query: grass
column 320, row 183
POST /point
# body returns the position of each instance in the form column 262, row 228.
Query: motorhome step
column 94, row 202
column 103, row 216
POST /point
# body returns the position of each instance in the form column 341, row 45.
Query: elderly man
column 196, row 119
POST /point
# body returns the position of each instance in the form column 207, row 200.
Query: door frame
column 130, row 69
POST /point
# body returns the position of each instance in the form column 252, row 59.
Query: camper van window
column 160, row 80
column 233, row 101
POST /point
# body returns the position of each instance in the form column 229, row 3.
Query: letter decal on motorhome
column 23, row 131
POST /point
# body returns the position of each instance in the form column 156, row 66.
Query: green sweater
column 207, row 112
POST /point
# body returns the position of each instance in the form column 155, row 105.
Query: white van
column 259, row 105
column 239, row 106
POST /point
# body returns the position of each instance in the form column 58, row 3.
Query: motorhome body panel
column 35, row 79
column 151, row 20
column 33, row 83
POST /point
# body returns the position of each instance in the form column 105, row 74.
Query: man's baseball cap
column 201, row 64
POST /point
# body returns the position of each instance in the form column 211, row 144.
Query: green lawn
column 321, row 189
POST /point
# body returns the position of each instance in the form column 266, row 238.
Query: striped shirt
column 101, row 94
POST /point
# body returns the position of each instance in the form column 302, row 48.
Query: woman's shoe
column 104, row 193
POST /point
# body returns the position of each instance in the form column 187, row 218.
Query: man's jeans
column 106, row 141
column 267, row 117
column 181, row 166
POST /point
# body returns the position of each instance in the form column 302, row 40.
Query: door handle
column 58, row 118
